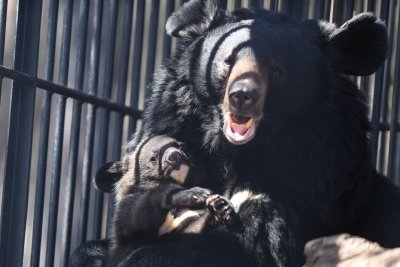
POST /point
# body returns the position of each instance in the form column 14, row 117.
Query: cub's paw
column 222, row 210
column 191, row 198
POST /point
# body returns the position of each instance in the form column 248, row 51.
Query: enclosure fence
column 73, row 75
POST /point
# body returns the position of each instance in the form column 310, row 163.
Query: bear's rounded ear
column 192, row 19
column 107, row 175
column 359, row 46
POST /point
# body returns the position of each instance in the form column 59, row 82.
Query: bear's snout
column 244, row 100
column 243, row 95
column 175, row 158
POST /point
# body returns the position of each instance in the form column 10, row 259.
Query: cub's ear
column 359, row 46
column 192, row 19
column 107, row 175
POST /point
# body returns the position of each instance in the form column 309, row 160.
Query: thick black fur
column 311, row 150
column 140, row 214
column 92, row 253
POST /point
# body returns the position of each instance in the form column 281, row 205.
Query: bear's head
column 157, row 158
column 258, row 65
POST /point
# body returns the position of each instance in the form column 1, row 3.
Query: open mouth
column 239, row 129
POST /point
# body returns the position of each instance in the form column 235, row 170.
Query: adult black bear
column 153, row 204
column 293, row 125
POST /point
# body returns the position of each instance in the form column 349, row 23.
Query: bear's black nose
column 175, row 158
column 242, row 96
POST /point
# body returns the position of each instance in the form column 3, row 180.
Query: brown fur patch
column 248, row 71
column 171, row 223
column 128, row 179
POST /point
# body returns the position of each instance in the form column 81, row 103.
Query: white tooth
column 229, row 119
column 249, row 123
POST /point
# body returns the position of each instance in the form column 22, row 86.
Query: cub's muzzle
column 176, row 164
column 175, row 158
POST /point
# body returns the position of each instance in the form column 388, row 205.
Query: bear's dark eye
column 230, row 61
column 181, row 146
column 153, row 159
column 277, row 71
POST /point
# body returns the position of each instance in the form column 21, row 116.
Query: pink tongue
column 240, row 129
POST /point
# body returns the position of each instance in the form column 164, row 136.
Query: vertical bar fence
column 73, row 77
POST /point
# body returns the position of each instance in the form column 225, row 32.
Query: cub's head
column 159, row 157
column 267, row 71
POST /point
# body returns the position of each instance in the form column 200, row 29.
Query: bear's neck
column 298, row 157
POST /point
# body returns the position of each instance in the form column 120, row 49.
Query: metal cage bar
column 54, row 88
column 3, row 20
column 121, row 86
column 19, row 143
column 137, row 61
column 386, row 80
column 105, row 114
column 90, row 119
column 393, row 168
column 151, row 52
column 237, row 4
column 378, row 91
column 59, row 135
column 167, row 39
column 44, row 137
column 75, row 130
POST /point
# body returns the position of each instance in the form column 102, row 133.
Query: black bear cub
column 153, row 199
